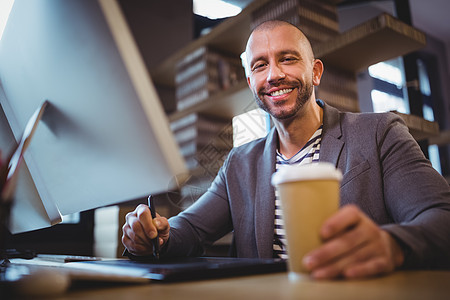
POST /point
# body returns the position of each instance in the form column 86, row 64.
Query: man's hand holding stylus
column 139, row 230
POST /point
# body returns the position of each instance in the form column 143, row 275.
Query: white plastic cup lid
column 313, row 171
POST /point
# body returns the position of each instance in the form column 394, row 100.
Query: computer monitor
column 104, row 138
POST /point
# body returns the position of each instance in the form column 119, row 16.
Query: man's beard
column 304, row 94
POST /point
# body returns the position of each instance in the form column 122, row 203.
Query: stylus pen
column 155, row 241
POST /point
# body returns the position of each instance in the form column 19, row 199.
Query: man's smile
column 280, row 92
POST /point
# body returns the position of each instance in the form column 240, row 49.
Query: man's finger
column 145, row 219
column 376, row 266
column 339, row 222
column 337, row 248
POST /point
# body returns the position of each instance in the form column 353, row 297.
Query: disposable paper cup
column 309, row 195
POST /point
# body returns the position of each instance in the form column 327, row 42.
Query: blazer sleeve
column 205, row 221
column 416, row 196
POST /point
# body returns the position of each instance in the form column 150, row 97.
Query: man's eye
column 258, row 67
column 289, row 59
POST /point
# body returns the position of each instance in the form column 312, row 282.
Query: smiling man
column 281, row 74
column 281, row 70
column 395, row 208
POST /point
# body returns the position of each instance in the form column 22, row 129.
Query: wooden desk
column 422, row 285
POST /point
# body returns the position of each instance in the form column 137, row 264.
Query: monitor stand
column 9, row 170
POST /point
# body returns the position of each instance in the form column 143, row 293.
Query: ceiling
column 430, row 16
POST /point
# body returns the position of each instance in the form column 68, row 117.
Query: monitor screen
column 104, row 137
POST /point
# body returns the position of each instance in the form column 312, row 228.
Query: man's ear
column 248, row 82
column 317, row 71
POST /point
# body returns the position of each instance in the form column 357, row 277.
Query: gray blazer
column 385, row 174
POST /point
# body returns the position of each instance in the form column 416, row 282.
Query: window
column 383, row 101
column 389, row 81
column 389, row 93
column 250, row 126
column 428, row 113
column 215, row 9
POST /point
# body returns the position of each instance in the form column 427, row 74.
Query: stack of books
column 203, row 73
column 316, row 18
column 204, row 141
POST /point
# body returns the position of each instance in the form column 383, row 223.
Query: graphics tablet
column 181, row 269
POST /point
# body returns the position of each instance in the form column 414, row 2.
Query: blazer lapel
column 331, row 145
column 265, row 198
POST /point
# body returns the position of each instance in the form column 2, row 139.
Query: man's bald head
column 271, row 26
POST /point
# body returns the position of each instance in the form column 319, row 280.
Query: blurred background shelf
column 227, row 103
column 379, row 39
column 420, row 128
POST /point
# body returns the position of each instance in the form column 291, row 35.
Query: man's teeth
column 280, row 92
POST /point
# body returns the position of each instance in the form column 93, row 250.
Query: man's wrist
column 397, row 253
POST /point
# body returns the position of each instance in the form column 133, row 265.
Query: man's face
column 281, row 71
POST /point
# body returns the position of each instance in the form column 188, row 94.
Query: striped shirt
column 308, row 154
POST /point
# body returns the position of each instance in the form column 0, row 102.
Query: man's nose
column 275, row 73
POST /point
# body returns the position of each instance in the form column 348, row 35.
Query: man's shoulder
column 366, row 127
column 244, row 157
column 335, row 116
column 369, row 119
column 367, row 116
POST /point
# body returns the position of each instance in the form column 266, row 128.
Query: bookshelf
column 376, row 40
column 350, row 51
column 225, row 104
column 420, row 128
